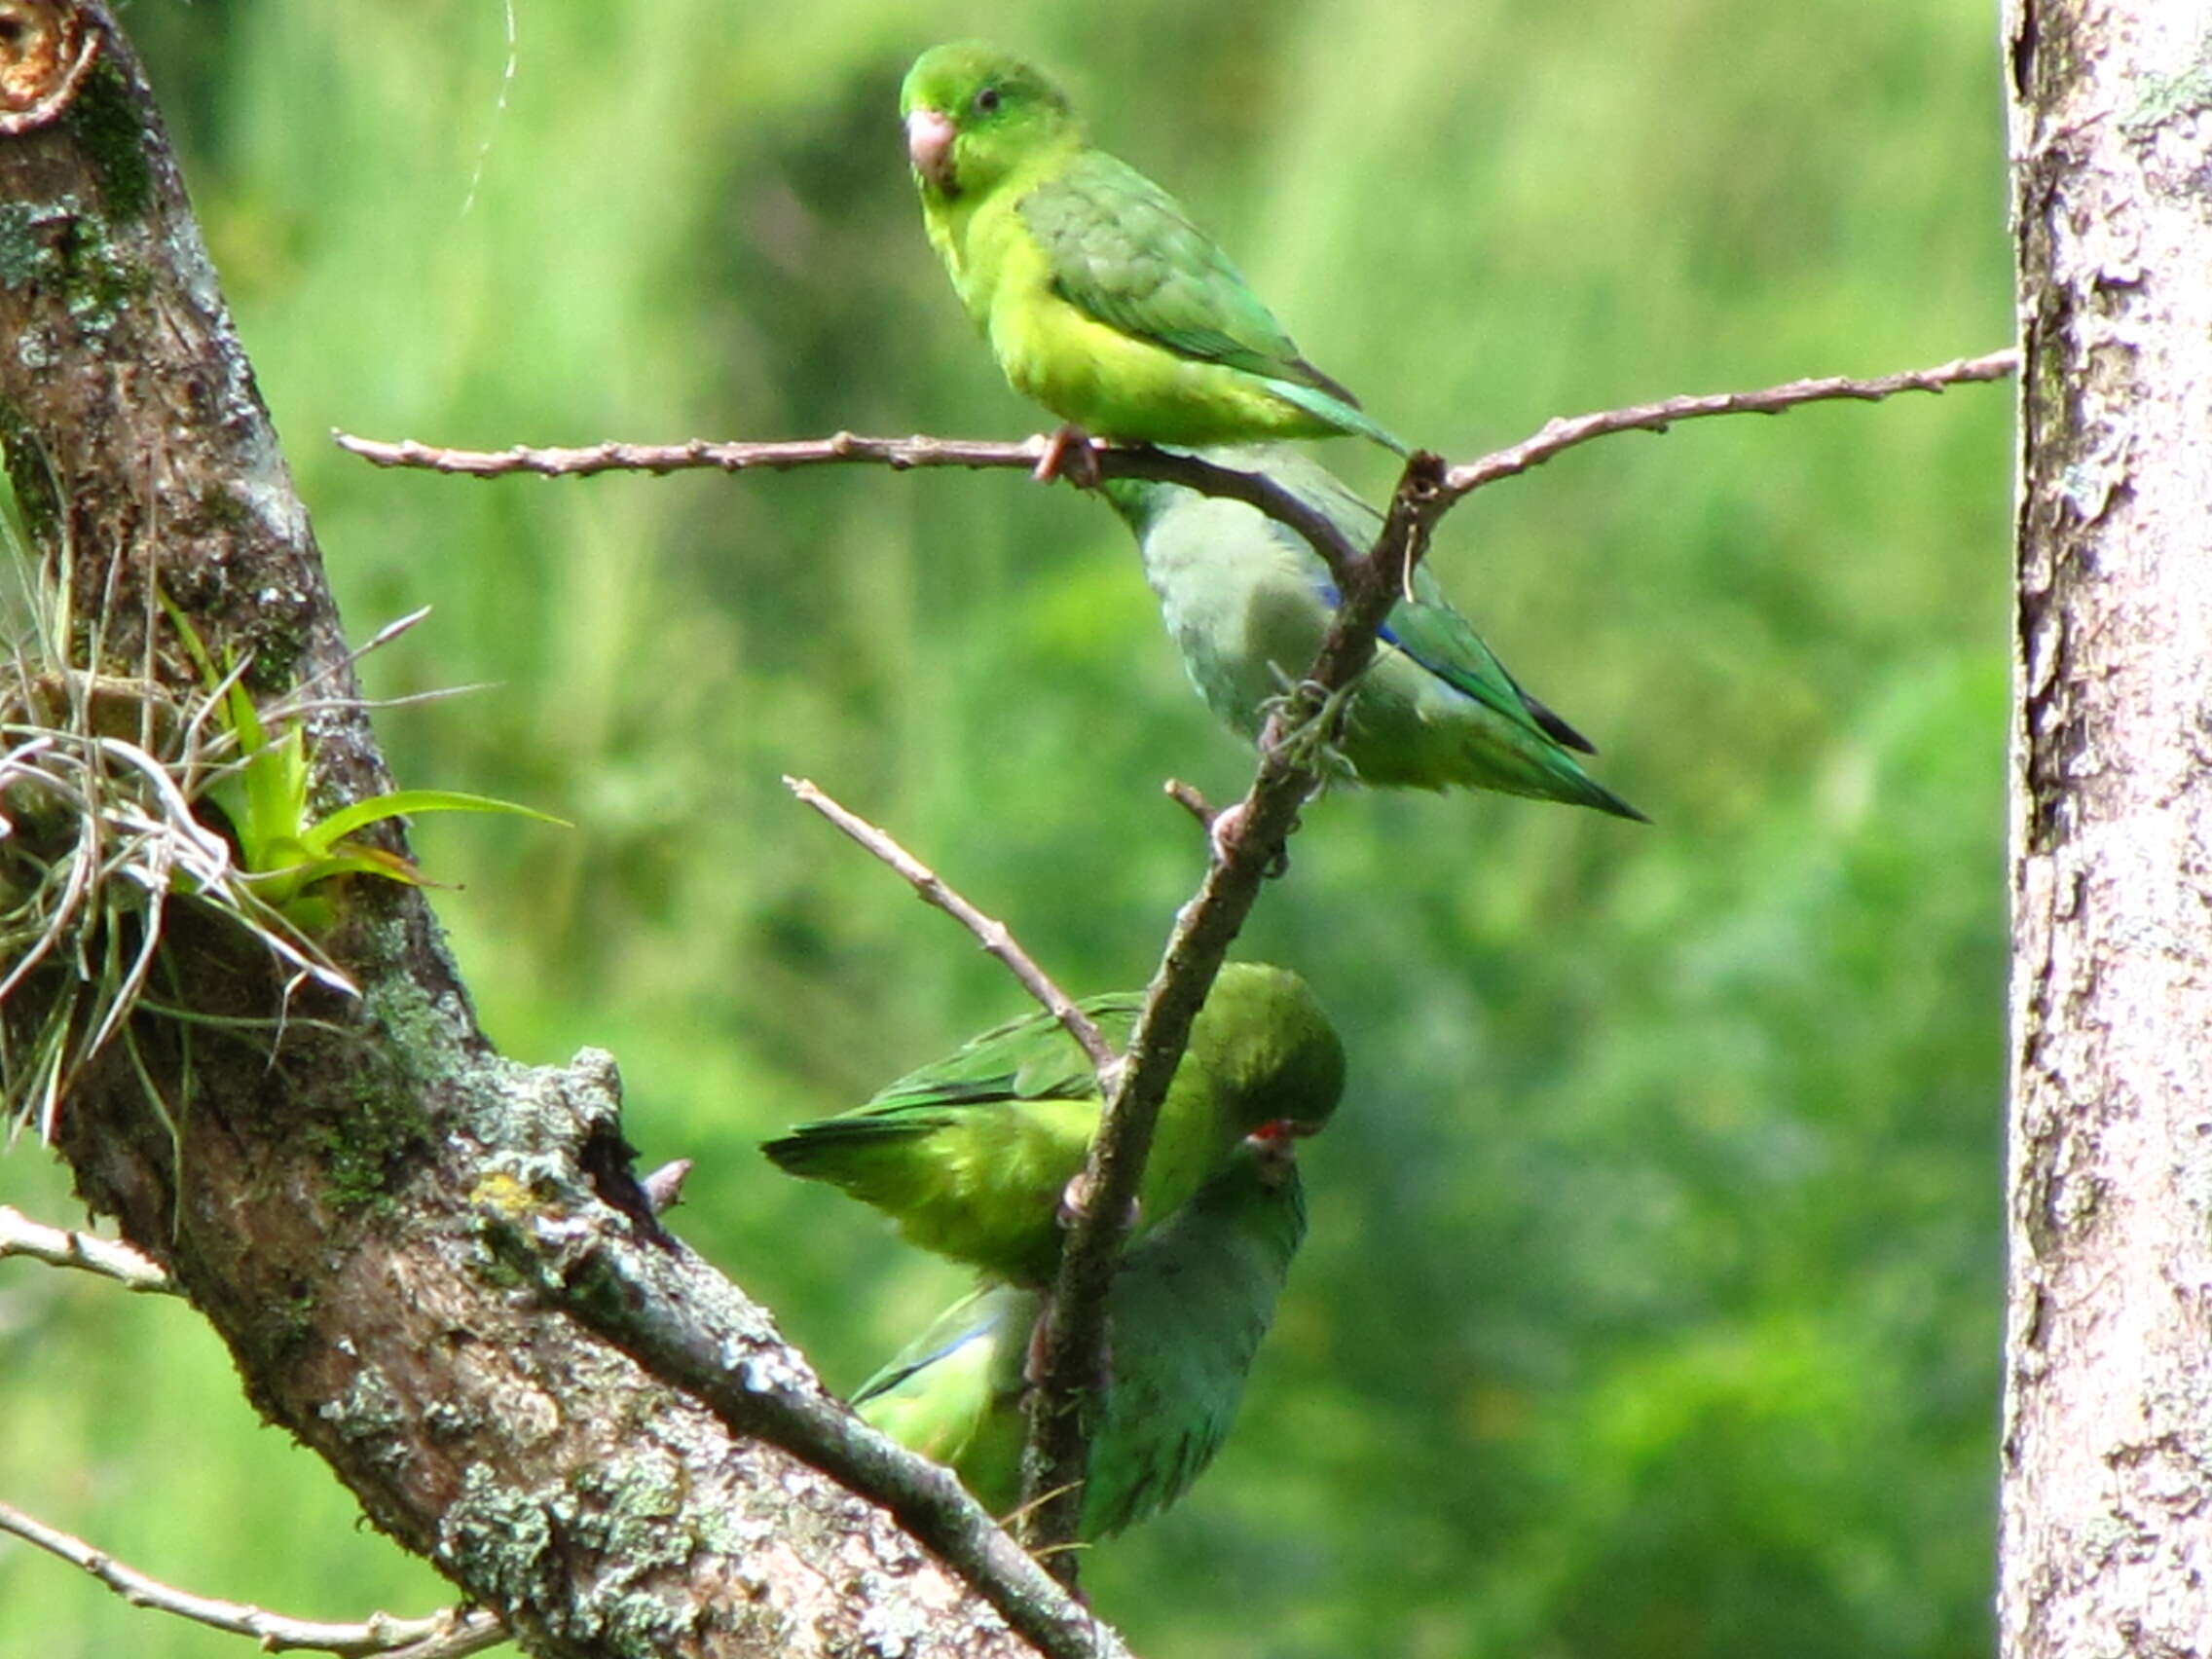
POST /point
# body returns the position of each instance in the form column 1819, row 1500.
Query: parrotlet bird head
column 1263, row 1035
column 974, row 113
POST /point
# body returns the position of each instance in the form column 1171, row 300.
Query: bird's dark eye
column 988, row 101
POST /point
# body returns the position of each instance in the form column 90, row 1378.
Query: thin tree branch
column 994, row 936
column 900, row 455
column 679, row 1320
column 448, row 1635
column 59, row 1247
column 1074, row 1348
column 1566, row 431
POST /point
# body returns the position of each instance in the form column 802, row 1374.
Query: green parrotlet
column 973, row 1156
column 1185, row 1316
column 1247, row 601
column 1098, row 296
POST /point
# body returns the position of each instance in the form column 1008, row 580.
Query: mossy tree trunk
column 2107, row 1464
column 330, row 1211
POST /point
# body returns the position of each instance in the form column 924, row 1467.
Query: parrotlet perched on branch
column 1099, row 297
column 1247, row 600
column 973, row 1157
column 1188, row 1307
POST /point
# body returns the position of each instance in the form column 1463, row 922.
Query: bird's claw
column 1040, row 1334
column 1075, row 1199
column 1068, row 452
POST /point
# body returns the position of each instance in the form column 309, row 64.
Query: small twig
column 58, row 1247
column 899, row 454
column 448, row 1635
column 1566, row 431
column 1192, row 800
column 995, row 936
column 664, row 1187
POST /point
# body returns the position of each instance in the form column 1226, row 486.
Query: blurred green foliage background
column 1650, row 1307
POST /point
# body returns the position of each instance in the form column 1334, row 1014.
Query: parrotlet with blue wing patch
column 1247, row 601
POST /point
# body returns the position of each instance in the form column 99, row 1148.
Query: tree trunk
column 331, row 1198
column 2106, row 1461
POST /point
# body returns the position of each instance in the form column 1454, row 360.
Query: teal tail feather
column 1341, row 412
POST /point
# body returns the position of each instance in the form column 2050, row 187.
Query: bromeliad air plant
column 264, row 796
column 107, row 782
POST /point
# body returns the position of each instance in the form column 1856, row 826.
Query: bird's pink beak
column 928, row 144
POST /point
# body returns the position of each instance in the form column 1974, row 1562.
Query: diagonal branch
column 994, row 936
column 1075, row 1351
column 326, row 1211
column 448, row 1635
column 682, row 1322
column 1075, row 1347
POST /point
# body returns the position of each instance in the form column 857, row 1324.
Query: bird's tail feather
column 1346, row 416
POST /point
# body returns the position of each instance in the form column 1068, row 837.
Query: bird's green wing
column 939, row 1395
column 1121, row 250
column 1031, row 1058
column 966, row 1327
column 970, row 1154
column 1028, row 1059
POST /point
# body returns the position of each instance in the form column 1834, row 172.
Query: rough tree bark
column 2107, row 1459
column 346, row 1216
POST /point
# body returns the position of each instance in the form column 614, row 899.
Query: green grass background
column 1651, row 1302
